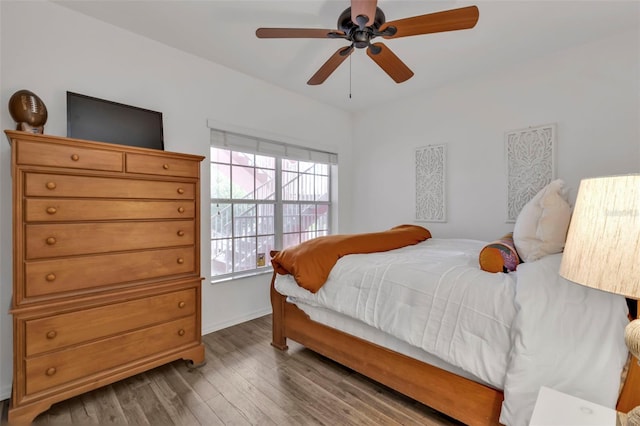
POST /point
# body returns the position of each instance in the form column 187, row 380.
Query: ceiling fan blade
column 297, row 33
column 448, row 20
column 363, row 8
column 389, row 62
column 330, row 66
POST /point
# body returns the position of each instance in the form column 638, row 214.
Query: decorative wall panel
column 531, row 165
column 430, row 183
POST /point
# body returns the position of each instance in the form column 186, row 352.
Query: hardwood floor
column 245, row 381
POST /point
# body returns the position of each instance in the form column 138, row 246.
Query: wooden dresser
column 106, row 266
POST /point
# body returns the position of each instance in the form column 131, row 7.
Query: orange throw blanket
column 311, row 261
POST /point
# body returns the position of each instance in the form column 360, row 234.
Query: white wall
column 5, row 258
column 592, row 93
column 59, row 50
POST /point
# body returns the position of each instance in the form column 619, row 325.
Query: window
column 263, row 201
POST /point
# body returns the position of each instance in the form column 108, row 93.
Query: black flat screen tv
column 107, row 121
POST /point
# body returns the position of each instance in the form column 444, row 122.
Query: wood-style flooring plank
column 269, row 381
column 127, row 397
column 59, row 414
column 85, row 413
column 195, row 381
column 255, row 406
column 4, row 407
column 402, row 408
column 108, row 407
column 176, row 407
column 304, row 394
column 226, row 412
column 367, row 414
column 261, row 377
column 186, row 394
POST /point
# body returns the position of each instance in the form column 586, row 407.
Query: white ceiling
column 507, row 32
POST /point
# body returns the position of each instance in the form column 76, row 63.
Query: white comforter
column 509, row 334
column 566, row 337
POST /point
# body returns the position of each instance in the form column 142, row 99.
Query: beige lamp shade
column 603, row 242
column 603, row 246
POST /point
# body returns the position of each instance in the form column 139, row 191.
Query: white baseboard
column 5, row 392
column 210, row 328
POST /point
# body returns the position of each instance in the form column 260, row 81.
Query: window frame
column 278, row 204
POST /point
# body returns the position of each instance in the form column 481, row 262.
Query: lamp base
column 632, row 337
column 633, row 417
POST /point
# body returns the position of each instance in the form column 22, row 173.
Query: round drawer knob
column 181, row 304
column 180, row 261
column 52, row 210
column 52, row 334
column 75, row 157
column 181, row 332
column 180, row 209
column 180, row 233
column 165, row 166
column 51, row 185
column 51, row 241
column 180, row 191
column 51, row 371
column 50, row 277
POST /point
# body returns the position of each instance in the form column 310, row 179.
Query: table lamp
column 603, row 245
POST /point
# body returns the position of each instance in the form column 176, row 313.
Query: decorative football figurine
column 28, row 110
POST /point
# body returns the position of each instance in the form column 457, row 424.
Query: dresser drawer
column 50, row 154
column 51, row 185
column 56, row 210
column 68, row 239
column 59, row 331
column 56, row 276
column 165, row 166
column 80, row 362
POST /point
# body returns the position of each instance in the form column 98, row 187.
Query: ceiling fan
column 364, row 21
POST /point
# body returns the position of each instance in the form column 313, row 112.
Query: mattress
column 431, row 295
column 370, row 334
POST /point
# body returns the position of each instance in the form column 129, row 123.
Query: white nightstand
column 555, row 408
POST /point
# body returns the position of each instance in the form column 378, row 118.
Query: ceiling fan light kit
column 363, row 22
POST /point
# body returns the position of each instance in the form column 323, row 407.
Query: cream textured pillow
column 541, row 227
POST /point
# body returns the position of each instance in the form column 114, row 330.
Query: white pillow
column 541, row 227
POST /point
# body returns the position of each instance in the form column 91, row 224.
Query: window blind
column 254, row 145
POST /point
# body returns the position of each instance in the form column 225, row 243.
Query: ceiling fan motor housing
column 360, row 37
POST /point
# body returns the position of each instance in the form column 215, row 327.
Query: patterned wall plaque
column 531, row 165
column 430, row 183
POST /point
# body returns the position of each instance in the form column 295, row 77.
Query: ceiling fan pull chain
column 349, row 77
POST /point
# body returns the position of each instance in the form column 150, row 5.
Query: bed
column 478, row 337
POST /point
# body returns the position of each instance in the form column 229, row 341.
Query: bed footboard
column 460, row 398
column 630, row 394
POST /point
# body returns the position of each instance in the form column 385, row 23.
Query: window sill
column 239, row 276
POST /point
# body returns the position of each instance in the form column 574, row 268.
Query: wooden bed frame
column 463, row 399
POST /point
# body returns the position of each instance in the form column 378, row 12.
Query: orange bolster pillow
column 500, row 255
